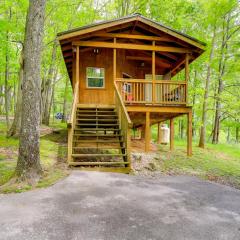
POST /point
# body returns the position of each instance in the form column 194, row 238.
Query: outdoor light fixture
column 95, row 50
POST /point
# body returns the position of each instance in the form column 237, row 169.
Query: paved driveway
column 92, row 205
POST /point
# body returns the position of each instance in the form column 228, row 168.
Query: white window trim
column 96, row 77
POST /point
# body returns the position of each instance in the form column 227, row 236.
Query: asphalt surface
column 94, row 206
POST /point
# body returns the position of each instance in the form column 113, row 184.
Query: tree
column 206, row 93
column 28, row 165
column 15, row 128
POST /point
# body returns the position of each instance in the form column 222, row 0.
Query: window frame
column 103, row 78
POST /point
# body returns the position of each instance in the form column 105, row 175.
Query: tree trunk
column 6, row 87
column 64, row 119
column 1, row 99
column 28, row 165
column 52, row 94
column 221, row 71
column 15, row 128
column 237, row 134
column 193, row 103
column 180, row 128
column 228, row 134
column 202, row 139
column 47, row 93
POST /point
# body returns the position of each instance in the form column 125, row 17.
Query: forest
column 214, row 78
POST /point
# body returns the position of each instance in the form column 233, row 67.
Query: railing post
column 153, row 75
column 186, row 76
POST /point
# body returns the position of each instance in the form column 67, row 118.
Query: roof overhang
column 88, row 33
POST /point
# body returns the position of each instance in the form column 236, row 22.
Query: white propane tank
column 165, row 134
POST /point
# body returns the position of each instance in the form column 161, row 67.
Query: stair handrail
column 122, row 105
column 74, row 104
column 71, row 121
column 125, row 123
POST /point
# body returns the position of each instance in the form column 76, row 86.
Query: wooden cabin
column 121, row 73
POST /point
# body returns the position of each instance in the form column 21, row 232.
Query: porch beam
column 159, row 109
column 159, row 62
column 130, row 46
column 134, row 36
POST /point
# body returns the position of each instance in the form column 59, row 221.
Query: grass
column 220, row 163
column 53, row 151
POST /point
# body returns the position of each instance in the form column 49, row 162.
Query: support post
column 186, row 76
column 153, row 75
column 171, row 134
column 159, row 133
column 77, row 67
column 147, row 132
column 189, row 134
column 114, row 61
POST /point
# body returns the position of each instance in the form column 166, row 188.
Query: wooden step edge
column 98, row 155
column 125, row 170
column 97, row 129
column 96, row 163
column 100, row 147
column 97, row 141
column 94, row 124
column 97, row 135
column 99, row 120
column 97, row 115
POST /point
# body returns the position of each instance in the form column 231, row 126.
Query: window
column 95, row 77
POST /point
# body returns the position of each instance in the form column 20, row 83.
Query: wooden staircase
column 98, row 141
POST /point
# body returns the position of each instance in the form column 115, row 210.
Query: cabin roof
column 136, row 16
column 143, row 24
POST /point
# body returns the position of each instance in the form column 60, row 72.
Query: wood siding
column 104, row 59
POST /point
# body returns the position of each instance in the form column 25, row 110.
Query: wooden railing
column 72, row 120
column 144, row 91
column 124, row 121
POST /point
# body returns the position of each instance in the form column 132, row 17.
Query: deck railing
column 144, row 91
column 124, row 121
column 72, row 120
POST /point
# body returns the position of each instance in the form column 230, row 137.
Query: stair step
column 99, row 120
column 115, row 169
column 97, row 141
column 97, row 112
column 99, row 124
column 99, row 148
column 97, row 129
column 98, row 155
column 97, row 163
column 96, row 109
column 97, row 135
column 97, row 115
